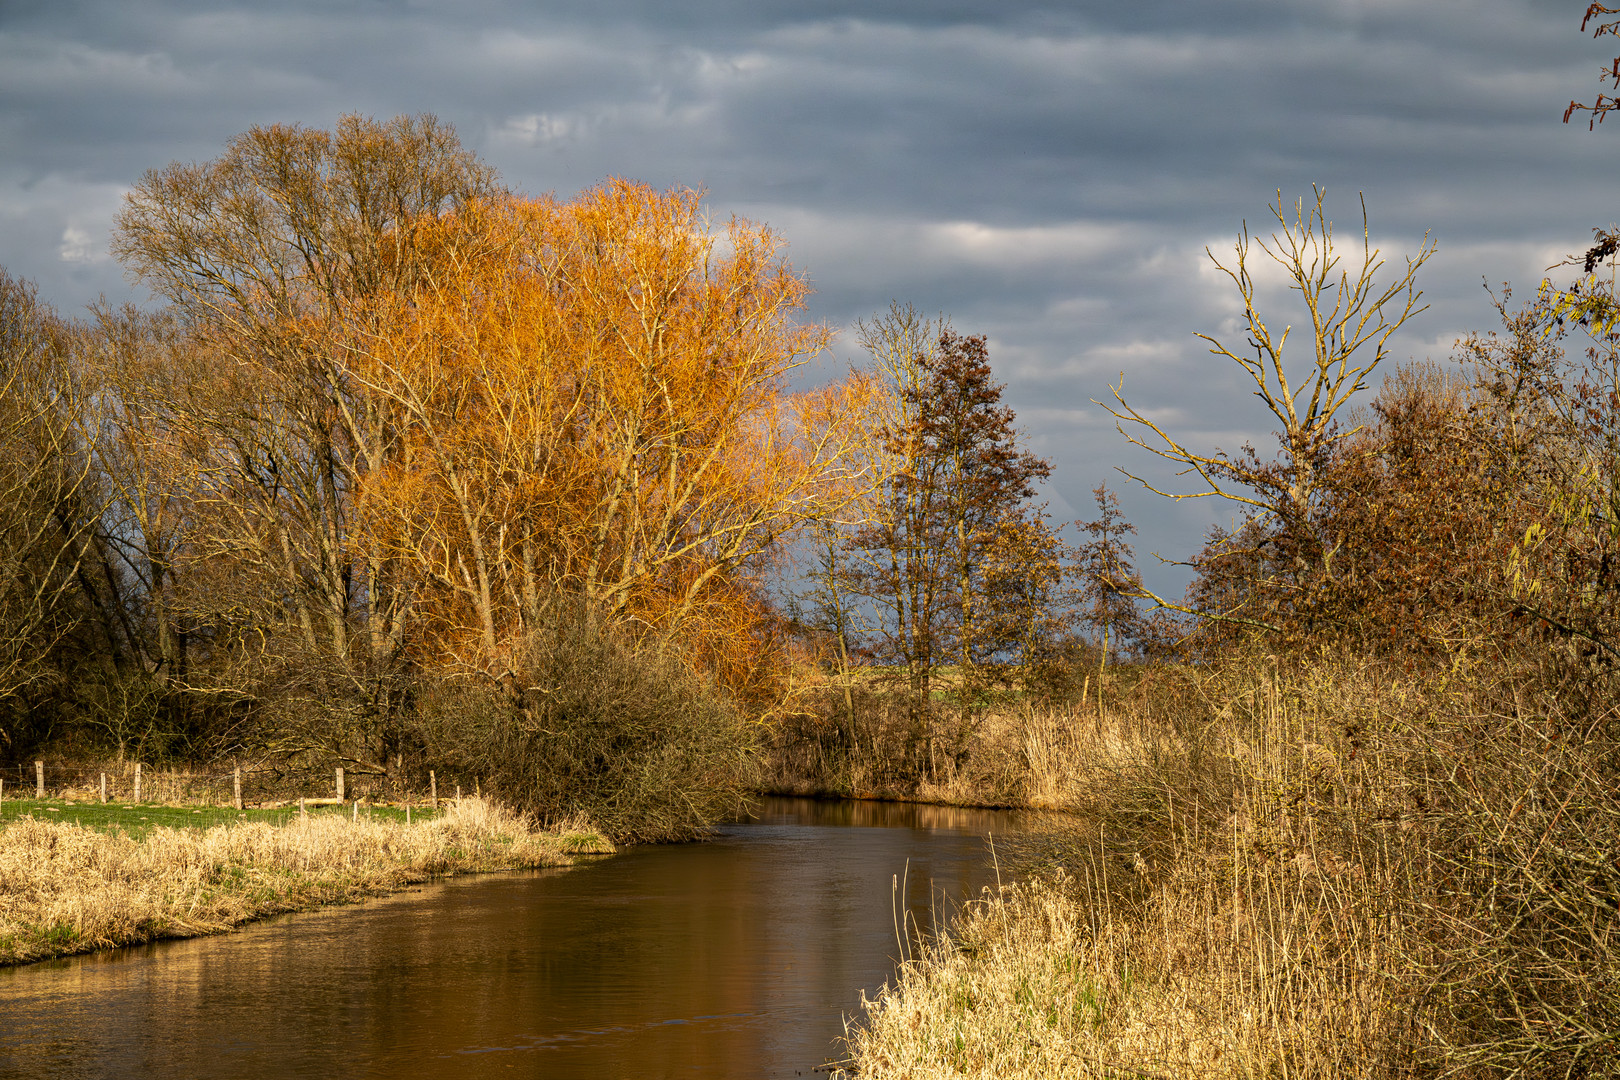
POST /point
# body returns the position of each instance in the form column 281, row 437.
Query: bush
column 596, row 726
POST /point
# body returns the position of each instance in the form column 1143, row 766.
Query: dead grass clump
column 1046, row 980
column 1032, row 984
column 68, row 889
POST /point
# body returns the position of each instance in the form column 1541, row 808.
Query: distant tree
column 980, row 476
column 1025, row 615
column 958, row 478
column 1109, row 583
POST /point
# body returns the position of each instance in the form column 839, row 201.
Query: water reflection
column 734, row 958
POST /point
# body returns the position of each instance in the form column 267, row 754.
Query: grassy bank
column 1318, row 874
column 69, row 887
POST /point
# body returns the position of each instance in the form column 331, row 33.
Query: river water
column 736, row 958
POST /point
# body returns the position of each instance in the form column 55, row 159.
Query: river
column 735, row 958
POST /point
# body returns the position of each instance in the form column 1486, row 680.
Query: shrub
column 598, row 727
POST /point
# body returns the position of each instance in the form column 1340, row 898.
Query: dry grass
column 1033, row 985
column 1330, row 874
column 1012, row 754
column 67, row 889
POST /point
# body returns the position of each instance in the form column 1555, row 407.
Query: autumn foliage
column 394, row 429
column 591, row 399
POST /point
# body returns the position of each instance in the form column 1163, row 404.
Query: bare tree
column 48, row 487
column 1351, row 314
column 273, row 256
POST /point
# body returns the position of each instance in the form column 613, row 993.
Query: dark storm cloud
column 1048, row 174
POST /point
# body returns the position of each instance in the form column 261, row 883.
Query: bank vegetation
column 408, row 471
column 67, row 888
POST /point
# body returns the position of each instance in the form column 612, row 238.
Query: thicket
column 631, row 738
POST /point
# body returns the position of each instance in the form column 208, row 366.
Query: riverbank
column 1324, row 873
column 70, row 888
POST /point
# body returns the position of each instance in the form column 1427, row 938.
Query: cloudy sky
column 1046, row 174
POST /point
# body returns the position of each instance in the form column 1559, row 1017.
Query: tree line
column 400, row 446
column 403, row 456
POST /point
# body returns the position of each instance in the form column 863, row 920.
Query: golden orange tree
column 596, row 404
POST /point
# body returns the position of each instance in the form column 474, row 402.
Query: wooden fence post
column 458, row 793
column 39, row 779
column 340, row 785
column 103, row 787
column 433, row 789
column 301, row 811
column 236, row 786
column 137, row 781
column 357, row 811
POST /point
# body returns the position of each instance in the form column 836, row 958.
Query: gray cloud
column 1048, row 174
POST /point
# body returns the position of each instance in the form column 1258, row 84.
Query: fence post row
column 339, row 778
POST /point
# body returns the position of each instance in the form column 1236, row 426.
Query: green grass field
column 138, row 818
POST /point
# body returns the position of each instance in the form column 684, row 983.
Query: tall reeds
column 1315, row 873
